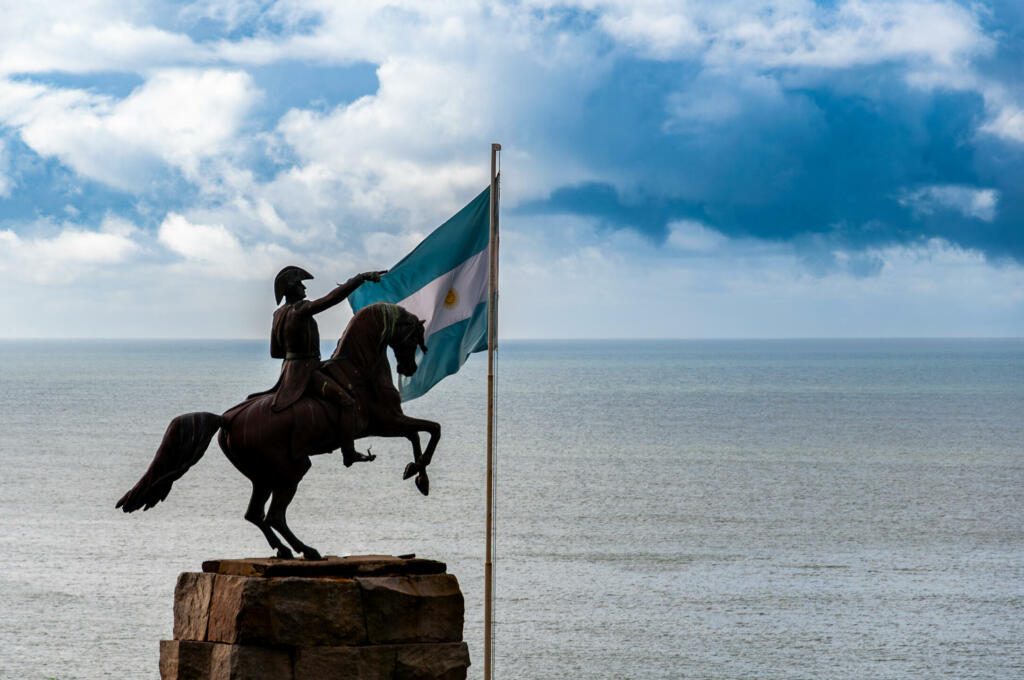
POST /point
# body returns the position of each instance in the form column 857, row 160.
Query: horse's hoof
column 285, row 554
column 410, row 470
column 423, row 484
column 311, row 554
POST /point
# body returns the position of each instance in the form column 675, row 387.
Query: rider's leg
column 322, row 386
column 326, row 388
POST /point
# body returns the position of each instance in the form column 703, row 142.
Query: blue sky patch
column 288, row 85
column 117, row 84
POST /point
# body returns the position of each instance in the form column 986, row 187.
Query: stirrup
column 358, row 457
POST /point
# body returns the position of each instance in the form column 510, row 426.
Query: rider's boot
column 349, row 455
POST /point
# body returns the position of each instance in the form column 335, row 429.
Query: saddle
column 309, row 422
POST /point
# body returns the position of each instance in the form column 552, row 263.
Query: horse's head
column 376, row 327
column 405, row 338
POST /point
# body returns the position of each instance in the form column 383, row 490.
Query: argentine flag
column 444, row 282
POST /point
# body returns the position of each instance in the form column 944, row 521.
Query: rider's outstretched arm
column 342, row 291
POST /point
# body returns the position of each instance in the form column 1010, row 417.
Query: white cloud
column 71, row 253
column 1005, row 117
column 386, row 249
column 691, row 236
column 714, row 100
column 87, row 36
column 6, row 183
column 970, row 201
column 384, row 148
column 371, row 176
column 855, row 33
column 657, row 29
column 185, row 116
column 1007, row 123
column 787, row 33
column 213, row 250
column 178, row 118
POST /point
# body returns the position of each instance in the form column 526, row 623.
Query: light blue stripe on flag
column 444, row 282
column 448, row 350
column 462, row 236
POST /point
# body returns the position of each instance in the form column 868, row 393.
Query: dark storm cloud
column 845, row 157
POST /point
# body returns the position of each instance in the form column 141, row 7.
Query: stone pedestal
column 366, row 617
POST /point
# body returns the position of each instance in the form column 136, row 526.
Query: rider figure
column 295, row 338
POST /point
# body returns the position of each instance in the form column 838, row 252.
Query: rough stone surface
column 281, row 611
column 315, row 612
column 413, row 609
column 237, row 612
column 366, row 618
column 244, row 662
column 190, row 660
column 439, row 661
column 192, row 605
column 184, row 660
column 357, row 663
column 432, row 662
column 345, row 567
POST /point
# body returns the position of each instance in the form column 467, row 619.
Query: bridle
column 414, row 326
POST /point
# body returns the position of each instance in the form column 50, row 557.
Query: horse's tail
column 184, row 443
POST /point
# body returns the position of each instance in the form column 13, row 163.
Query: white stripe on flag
column 453, row 296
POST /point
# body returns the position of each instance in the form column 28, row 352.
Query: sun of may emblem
column 451, row 299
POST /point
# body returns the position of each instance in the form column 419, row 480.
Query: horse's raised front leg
column 405, row 426
column 417, row 455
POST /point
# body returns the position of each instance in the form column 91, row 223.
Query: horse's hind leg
column 254, row 514
column 276, row 519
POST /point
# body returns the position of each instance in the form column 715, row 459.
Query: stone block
column 412, row 608
column 434, row 661
column 330, row 566
column 285, row 611
column 184, row 660
column 192, row 605
column 367, row 618
column 315, row 612
column 190, row 660
column 239, row 612
column 245, row 662
column 351, row 663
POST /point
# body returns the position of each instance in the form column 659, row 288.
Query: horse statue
column 272, row 448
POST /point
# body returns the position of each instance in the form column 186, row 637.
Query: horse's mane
column 389, row 315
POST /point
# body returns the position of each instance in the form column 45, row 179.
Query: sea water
column 678, row 509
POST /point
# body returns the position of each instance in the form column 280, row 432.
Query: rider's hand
column 373, row 276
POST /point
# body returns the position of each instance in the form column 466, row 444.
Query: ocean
column 665, row 509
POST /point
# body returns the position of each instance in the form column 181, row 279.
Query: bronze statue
column 271, row 435
column 295, row 338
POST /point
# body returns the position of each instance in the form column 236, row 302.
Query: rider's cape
column 296, row 339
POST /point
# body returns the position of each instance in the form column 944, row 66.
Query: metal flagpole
column 492, row 345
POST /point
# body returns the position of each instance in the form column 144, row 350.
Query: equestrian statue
column 315, row 407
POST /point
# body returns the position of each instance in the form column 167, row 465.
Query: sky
column 680, row 169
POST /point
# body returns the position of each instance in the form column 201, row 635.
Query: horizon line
column 528, row 339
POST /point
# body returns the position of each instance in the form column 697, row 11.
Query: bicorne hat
column 287, row 277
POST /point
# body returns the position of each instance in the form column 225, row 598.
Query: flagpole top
column 495, row 147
